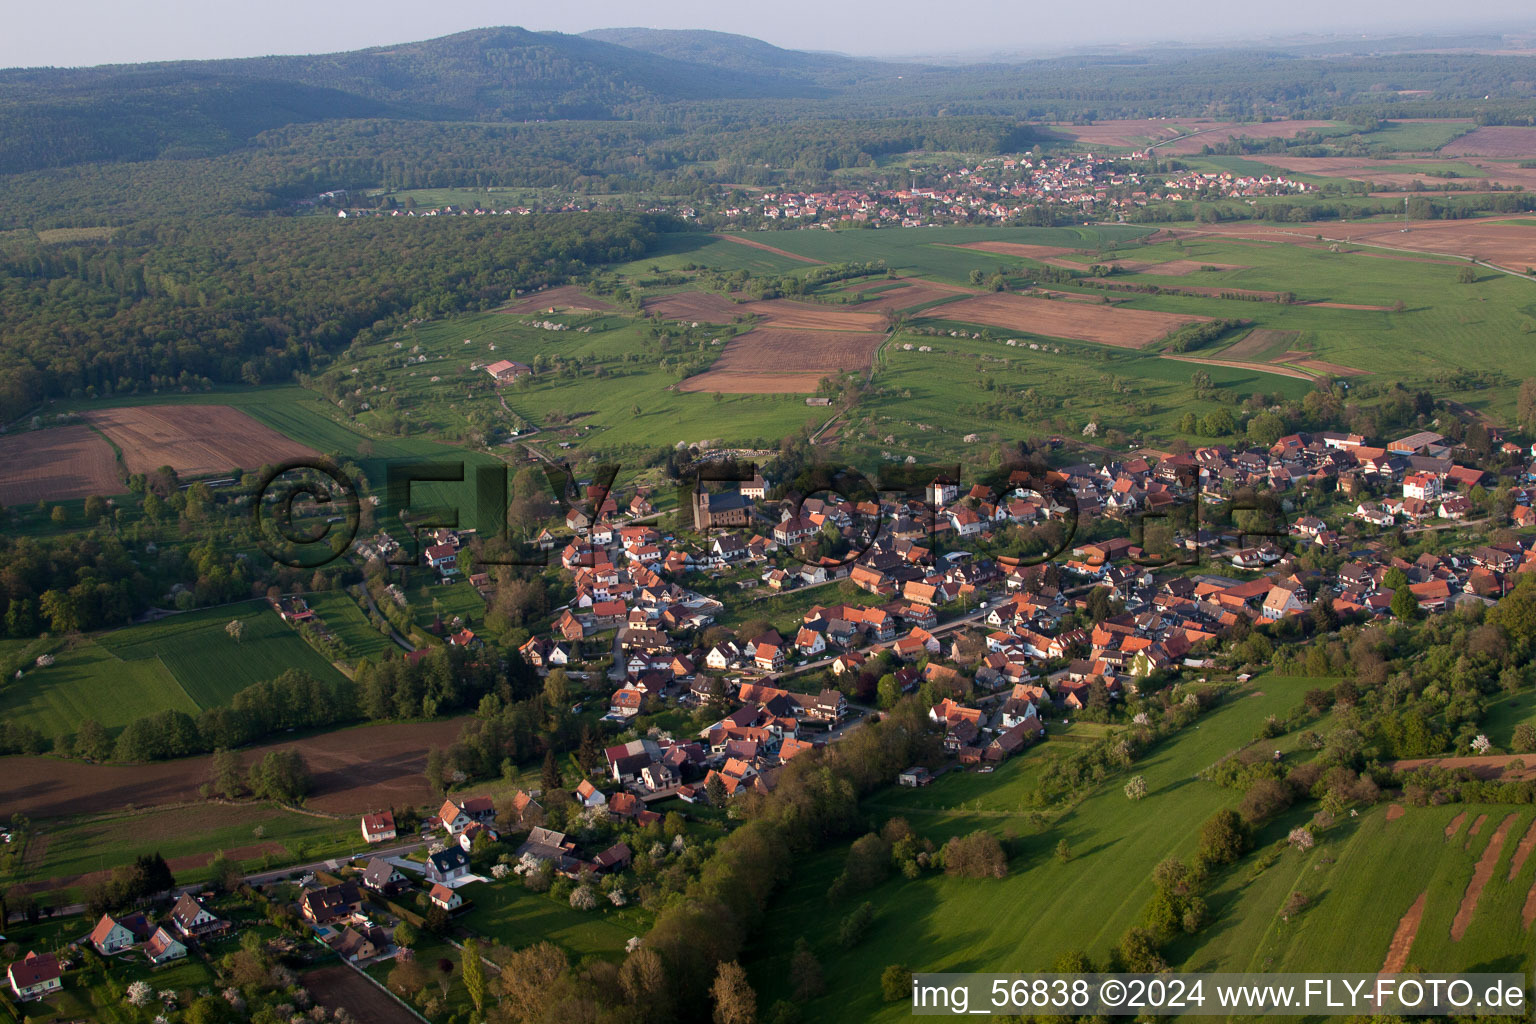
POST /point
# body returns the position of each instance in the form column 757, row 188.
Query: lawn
column 509, row 913
column 454, row 599
column 90, row 997
column 1044, row 907
column 786, row 610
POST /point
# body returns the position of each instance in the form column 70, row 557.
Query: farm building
column 505, row 371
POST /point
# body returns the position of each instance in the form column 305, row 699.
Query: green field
column 1465, row 342
column 76, row 847
column 349, row 624
column 933, row 252
column 211, row 666
column 56, row 699
column 183, row 662
column 596, row 412
column 1044, row 907
column 1356, row 905
column 97, row 1002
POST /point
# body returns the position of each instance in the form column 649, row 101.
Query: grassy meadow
column 183, row 662
column 1046, row 907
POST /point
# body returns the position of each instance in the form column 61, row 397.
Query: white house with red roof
column 378, row 828
column 34, row 976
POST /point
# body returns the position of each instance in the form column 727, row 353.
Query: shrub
column 856, row 925
column 1224, row 838
column 896, row 982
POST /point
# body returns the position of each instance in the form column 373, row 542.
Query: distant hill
column 56, row 117
column 736, row 52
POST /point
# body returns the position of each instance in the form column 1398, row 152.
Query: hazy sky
column 75, row 32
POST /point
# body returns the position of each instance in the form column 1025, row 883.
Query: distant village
column 996, row 190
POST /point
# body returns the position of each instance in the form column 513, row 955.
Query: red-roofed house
column 35, row 976
column 378, row 828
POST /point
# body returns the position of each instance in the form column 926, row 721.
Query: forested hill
column 742, row 53
column 52, row 117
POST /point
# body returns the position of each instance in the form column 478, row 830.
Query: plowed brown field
column 1105, row 325
column 563, row 299
column 768, row 360
column 353, row 770
column 1495, row 141
column 57, row 463
column 194, row 440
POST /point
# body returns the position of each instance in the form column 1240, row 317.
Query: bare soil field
column 194, row 440
column 806, row 316
column 354, row 770
column 339, row 987
column 1105, row 325
column 1480, row 876
column 57, row 463
column 755, row 244
column 768, row 360
column 702, row 307
column 1402, row 938
column 565, row 298
column 1477, row 826
column 1395, row 811
column 1455, row 823
column 913, row 293
column 1495, row 141
column 1259, row 341
column 1327, row 369
column 1390, row 172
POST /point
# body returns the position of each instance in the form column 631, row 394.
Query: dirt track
column 1284, row 371
column 1402, row 938
column 742, row 240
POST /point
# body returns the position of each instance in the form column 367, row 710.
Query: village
column 996, row 190
column 1000, row 648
